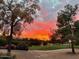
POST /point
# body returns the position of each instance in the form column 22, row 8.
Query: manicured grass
column 77, row 46
column 52, row 47
column 49, row 47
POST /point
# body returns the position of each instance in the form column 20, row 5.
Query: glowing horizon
column 41, row 28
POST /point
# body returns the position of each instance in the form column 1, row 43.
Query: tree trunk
column 72, row 40
column 10, row 39
column 9, row 45
column 72, row 46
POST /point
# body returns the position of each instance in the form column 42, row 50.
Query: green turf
column 49, row 47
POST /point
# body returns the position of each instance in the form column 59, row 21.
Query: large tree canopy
column 13, row 12
column 76, row 31
column 66, row 24
column 65, row 18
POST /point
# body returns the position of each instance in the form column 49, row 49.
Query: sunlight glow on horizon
column 39, row 30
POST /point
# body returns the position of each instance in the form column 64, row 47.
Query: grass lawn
column 52, row 47
column 49, row 47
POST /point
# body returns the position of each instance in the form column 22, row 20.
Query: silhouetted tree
column 76, row 31
column 65, row 23
column 12, row 13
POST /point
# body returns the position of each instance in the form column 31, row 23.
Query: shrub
column 3, row 42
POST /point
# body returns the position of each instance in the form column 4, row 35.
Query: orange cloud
column 38, row 30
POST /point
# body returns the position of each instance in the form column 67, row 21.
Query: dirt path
column 52, row 54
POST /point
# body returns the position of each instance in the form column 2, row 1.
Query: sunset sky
column 43, row 26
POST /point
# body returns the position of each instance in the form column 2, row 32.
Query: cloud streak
column 42, row 28
column 39, row 30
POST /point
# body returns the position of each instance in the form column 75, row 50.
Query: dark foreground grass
column 6, row 56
